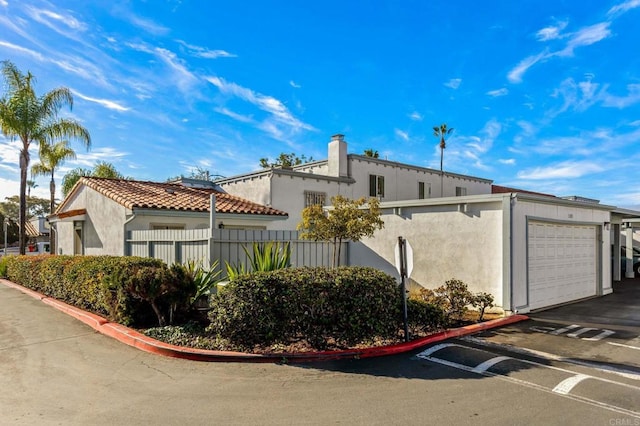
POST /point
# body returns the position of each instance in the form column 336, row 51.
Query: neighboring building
column 96, row 215
column 353, row 176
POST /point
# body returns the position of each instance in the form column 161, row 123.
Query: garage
column 562, row 263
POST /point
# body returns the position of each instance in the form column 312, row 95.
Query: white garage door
column 561, row 263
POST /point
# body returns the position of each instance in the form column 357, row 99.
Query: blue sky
column 543, row 95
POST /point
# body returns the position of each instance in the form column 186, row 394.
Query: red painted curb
column 138, row 340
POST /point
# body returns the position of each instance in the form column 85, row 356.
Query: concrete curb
column 138, row 340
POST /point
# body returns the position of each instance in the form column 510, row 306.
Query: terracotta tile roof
column 497, row 189
column 171, row 196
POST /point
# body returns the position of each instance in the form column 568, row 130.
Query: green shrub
column 424, row 317
column 344, row 305
column 4, row 260
column 482, row 301
column 453, row 299
column 123, row 289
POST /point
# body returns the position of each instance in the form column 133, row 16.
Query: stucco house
column 96, row 215
column 351, row 175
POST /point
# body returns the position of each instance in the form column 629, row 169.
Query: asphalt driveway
column 601, row 331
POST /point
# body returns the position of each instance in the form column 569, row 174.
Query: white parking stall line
column 482, row 367
column 624, row 346
column 604, row 334
column 426, row 355
column 565, row 386
column 581, row 331
column 631, row 344
column 564, row 330
column 552, row 357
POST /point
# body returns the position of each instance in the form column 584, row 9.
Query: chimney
column 338, row 156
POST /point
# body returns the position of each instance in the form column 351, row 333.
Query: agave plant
column 263, row 258
column 204, row 279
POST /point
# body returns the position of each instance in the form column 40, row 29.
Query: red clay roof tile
column 171, row 196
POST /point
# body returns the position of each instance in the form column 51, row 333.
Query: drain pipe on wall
column 124, row 229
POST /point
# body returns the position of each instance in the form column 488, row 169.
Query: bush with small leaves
column 344, row 305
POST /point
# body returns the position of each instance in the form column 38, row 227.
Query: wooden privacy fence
column 181, row 246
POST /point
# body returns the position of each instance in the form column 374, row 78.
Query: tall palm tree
column 31, row 118
column 441, row 132
column 52, row 156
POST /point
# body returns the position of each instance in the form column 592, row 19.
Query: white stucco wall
column 103, row 228
column 401, row 182
column 256, row 188
column 446, row 244
column 287, row 194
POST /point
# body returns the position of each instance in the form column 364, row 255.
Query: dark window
column 312, row 198
column 376, row 186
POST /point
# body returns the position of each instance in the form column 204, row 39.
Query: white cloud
column 202, row 52
column 454, row 83
column 498, row 92
column 143, row 23
column 563, row 170
column 234, row 115
column 89, row 159
column 294, row 84
column 182, row 77
column 624, row 7
column 622, row 102
column 402, row 135
column 22, row 50
column 586, row 37
column 515, row 75
column 4, row 3
column 64, row 24
column 104, row 102
column 415, row 116
column 551, row 32
column 507, row 161
column 266, row 103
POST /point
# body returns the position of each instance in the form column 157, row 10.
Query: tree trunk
column 52, row 237
column 22, row 215
column 156, row 309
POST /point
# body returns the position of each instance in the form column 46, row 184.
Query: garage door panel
column 561, row 263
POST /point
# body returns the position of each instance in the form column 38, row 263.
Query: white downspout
column 124, row 229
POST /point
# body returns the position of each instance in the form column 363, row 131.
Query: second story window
column 312, row 198
column 376, row 186
column 424, row 190
column 461, row 191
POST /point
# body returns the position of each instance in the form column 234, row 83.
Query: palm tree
column 441, row 132
column 52, row 156
column 31, row 118
column 371, row 153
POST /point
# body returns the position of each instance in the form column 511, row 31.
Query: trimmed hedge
column 127, row 290
column 345, row 305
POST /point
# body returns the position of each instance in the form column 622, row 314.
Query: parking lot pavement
column 601, row 331
column 587, row 351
